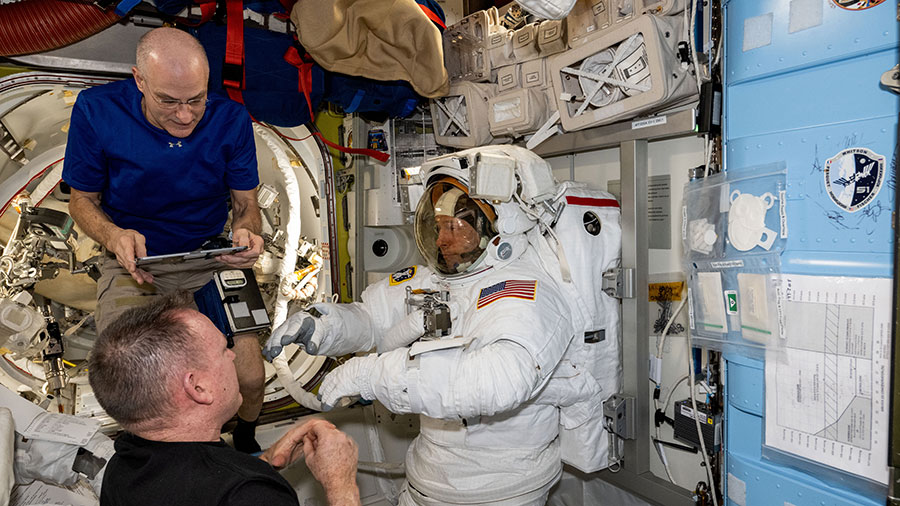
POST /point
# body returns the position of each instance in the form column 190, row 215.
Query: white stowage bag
column 590, row 237
column 548, row 9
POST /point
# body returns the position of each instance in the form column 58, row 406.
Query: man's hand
column 244, row 259
column 298, row 328
column 128, row 244
column 331, row 457
column 290, row 447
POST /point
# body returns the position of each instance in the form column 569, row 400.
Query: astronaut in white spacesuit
column 489, row 392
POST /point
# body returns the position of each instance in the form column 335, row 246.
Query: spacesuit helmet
column 452, row 229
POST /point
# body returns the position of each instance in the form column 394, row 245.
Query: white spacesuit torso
column 487, row 419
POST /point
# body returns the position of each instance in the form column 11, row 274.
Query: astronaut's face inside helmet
column 452, row 230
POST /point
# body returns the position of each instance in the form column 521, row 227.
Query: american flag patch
column 519, row 289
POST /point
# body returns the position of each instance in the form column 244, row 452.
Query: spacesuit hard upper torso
column 488, row 418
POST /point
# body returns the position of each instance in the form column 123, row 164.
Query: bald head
column 172, row 73
column 171, row 50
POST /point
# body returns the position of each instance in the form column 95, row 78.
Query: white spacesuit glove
column 298, row 328
column 340, row 329
column 350, row 379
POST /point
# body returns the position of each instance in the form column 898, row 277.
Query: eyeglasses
column 172, row 103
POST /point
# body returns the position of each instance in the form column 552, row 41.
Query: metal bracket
column 9, row 145
column 618, row 412
column 891, row 79
column 619, row 283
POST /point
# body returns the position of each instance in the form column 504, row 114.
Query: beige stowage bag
column 379, row 39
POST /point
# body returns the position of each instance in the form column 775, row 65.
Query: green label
column 731, row 303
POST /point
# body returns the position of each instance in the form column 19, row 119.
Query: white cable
column 698, row 70
column 661, row 451
column 288, row 264
column 672, row 391
column 712, row 483
column 718, row 53
column 707, row 154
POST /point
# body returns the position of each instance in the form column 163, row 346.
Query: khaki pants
column 118, row 292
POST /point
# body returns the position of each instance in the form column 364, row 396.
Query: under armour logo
column 175, row 144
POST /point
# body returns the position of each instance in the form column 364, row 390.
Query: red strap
column 591, row 201
column 381, row 156
column 304, row 78
column 287, row 5
column 207, row 9
column 304, row 67
column 433, row 17
column 233, row 70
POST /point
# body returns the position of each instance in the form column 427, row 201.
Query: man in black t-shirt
column 163, row 371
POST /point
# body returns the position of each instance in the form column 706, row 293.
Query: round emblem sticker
column 856, row 5
column 504, row 251
column 853, row 178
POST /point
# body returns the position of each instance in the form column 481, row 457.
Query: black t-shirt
column 154, row 473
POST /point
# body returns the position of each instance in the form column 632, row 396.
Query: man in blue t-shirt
column 152, row 163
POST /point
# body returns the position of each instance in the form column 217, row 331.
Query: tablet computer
column 190, row 255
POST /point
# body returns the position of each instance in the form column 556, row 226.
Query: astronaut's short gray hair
column 138, row 356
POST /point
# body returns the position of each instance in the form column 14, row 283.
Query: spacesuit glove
column 299, row 328
column 352, row 378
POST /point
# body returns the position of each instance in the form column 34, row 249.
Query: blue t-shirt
column 174, row 191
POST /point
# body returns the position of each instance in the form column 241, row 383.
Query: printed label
column 665, row 292
column 854, row 177
column 690, row 310
column 726, row 264
column 782, row 210
column 779, row 308
column 644, row 123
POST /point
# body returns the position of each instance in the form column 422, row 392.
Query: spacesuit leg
column 409, row 496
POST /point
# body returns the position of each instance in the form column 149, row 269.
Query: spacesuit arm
column 379, row 321
column 447, row 383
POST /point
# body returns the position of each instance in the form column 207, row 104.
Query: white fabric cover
column 7, row 453
column 47, row 461
column 547, row 9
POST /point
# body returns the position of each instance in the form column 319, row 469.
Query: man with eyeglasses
column 152, row 163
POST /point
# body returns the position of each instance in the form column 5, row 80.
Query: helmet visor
column 452, row 230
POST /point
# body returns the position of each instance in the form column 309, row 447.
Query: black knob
column 380, row 248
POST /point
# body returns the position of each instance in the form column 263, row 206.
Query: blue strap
column 125, row 6
column 357, row 99
column 409, row 107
